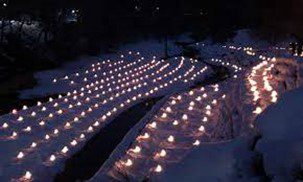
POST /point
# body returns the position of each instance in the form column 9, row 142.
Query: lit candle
column 175, row 123
column 27, row 175
column 64, row 150
column 137, row 149
column 128, row 162
column 258, row 110
column 73, row 143
column 201, row 128
column 33, row 145
column 52, row 158
column 158, row 169
column 5, row 125
column 171, row 138
column 196, row 143
column 20, row 155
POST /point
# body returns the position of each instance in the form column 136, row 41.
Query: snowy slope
column 281, row 145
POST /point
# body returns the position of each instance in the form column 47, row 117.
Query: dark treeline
column 109, row 21
column 106, row 23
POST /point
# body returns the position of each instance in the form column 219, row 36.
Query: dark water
column 85, row 163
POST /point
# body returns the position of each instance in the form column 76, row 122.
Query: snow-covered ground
column 281, row 144
column 202, row 134
column 191, row 126
column 36, row 141
column 151, row 48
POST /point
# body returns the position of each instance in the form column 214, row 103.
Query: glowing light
column 76, row 119
column 90, row 129
column 128, row 163
column 137, row 149
column 168, row 109
column 96, row 123
column 73, row 143
column 258, row 110
column 67, row 125
column 41, row 123
column 14, row 111
column 46, row 137
column 27, row 175
column 52, row 158
column 171, row 138
column 82, row 136
column 5, row 125
column 198, row 98
column 33, row 114
column 205, row 119
column 153, row 125
column 162, row 153
column 33, row 145
column 164, row 115
column 20, row 118
column 20, row 155
column 56, row 131
column 15, row 134
column 28, row 129
column 64, row 150
column 202, row 128
column 158, row 169
column 196, row 143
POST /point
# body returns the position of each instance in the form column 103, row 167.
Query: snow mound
column 213, row 162
column 281, row 127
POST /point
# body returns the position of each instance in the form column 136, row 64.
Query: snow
column 93, row 95
column 151, row 47
column 236, row 112
column 127, row 140
column 213, row 162
column 281, row 129
column 215, row 149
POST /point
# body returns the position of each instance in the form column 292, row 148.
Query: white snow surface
column 281, row 145
column 93, row 96
column 212, row 160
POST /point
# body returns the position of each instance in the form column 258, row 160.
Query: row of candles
column 74, row 97
column 259, row 82
column 150, row 139
column 92, row 90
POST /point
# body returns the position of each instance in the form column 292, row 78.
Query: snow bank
column 281, row 145
column 224, row 161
